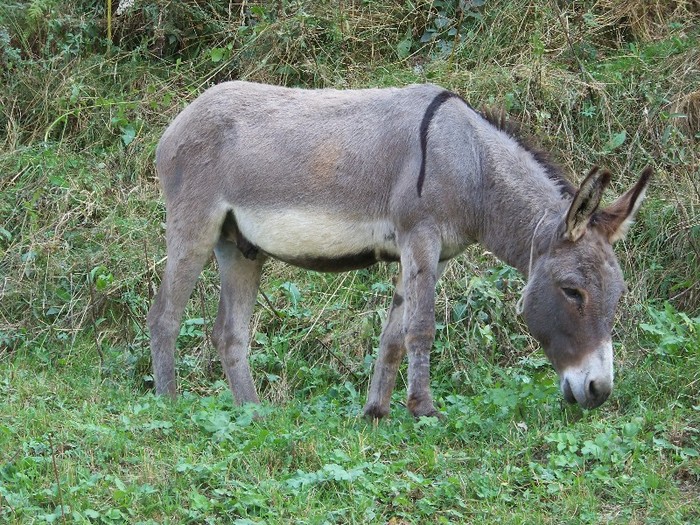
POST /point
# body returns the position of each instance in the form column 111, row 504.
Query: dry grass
column 645, row 19
column 688, row 105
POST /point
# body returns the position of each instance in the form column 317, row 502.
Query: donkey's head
column 575, row 284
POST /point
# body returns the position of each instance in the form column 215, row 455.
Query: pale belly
column 318, row 241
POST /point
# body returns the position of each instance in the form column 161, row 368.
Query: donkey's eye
column 573, row 294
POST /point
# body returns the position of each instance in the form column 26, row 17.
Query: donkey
column 333, row 181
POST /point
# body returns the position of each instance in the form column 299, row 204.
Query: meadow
column 87, row 89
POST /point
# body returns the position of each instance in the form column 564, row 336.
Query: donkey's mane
column 498, row 118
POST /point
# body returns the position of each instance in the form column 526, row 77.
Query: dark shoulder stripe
column 424, row 126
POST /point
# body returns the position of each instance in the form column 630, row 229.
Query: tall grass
column 612, row 83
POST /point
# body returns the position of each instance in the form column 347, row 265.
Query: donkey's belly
column 318, row 241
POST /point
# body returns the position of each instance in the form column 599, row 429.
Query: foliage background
column 85, row 96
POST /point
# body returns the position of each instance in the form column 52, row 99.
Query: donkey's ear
column 615, row 220
column 585, row 203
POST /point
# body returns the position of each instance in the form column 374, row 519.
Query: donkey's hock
column 338, row 180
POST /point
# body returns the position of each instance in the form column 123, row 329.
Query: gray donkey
column 339, row 180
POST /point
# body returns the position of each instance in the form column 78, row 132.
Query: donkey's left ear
column 585, row 203
column 615, row 220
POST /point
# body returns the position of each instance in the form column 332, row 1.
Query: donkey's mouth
column 591, row 396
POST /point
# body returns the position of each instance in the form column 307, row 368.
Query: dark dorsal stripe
column 424, row 125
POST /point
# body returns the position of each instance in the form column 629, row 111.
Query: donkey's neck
column 522, row 203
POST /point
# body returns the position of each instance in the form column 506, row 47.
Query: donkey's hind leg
column 391, row 352
column 240, row 278
column 190, row 241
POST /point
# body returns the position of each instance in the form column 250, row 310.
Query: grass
column 506, row 454
column 509, row 453
column 82, row 438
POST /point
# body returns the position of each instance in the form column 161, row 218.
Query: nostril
column 592, row 390
column 566, row 390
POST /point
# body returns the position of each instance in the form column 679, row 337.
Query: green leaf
column 6, row 234
column 128, row 134
column 214, row 421
column 292, row 292
column 403, row 48
column 617, row 140
column 217, row 54
column 103, row 281
column 58, row 181
column 652, row 329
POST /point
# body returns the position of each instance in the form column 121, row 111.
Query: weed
column 672, row 333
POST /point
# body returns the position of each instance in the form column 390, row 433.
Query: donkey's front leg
column 421, row 268
column 391, row 353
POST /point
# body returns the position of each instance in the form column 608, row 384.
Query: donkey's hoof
column 374, row 411
column 167, row 393
column 435, row 413
column 423, row 408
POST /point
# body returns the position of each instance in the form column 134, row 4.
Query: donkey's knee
column 419, row 338
column 393, row 348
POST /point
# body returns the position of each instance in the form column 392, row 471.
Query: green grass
column 82, row 438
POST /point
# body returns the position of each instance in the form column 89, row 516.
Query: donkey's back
column 242, row 140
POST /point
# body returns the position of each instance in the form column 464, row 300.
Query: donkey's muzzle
column 590, row 383
column 596, row 393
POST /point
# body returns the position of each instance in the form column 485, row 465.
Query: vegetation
column 84, row 99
